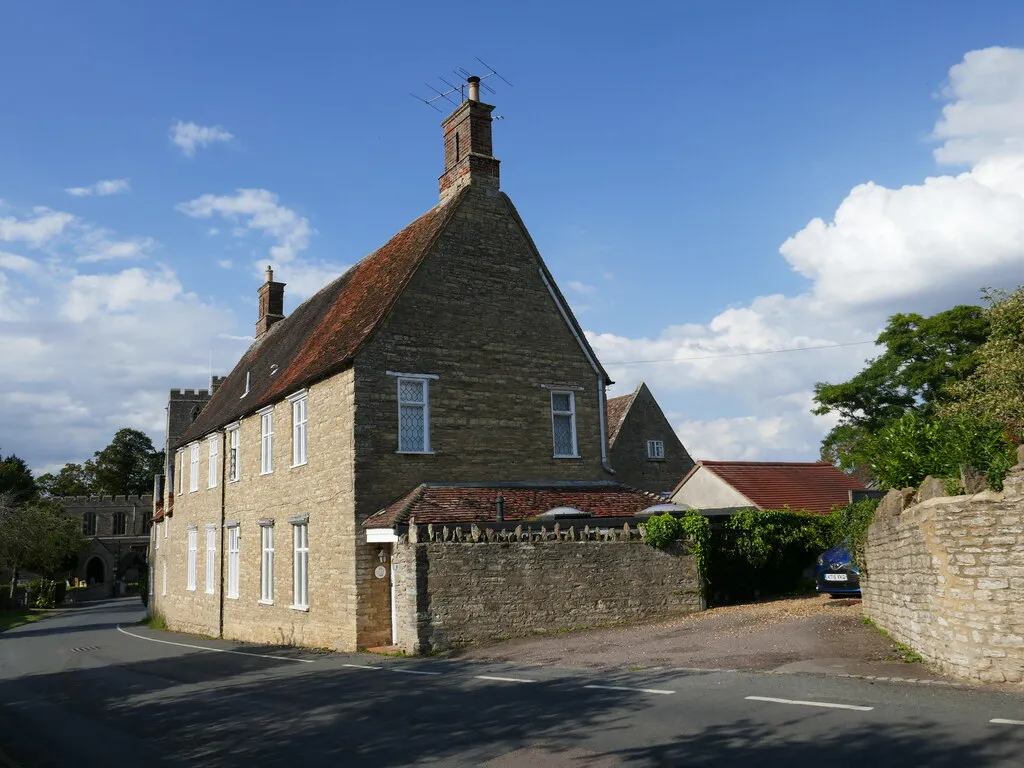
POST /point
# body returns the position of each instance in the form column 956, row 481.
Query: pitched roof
column 324, row 332
column 475, row 502
column 812, row 486
column 617, row 408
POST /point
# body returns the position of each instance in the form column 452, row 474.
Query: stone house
column 728, row 485
column 448, row 355
column 642, row 446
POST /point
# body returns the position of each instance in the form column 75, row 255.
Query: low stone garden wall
column 945, row 575
column 453, row 589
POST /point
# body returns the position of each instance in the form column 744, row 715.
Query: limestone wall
column 451, row 593
column 945, row 575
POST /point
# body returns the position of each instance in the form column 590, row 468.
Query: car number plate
column 835, row 577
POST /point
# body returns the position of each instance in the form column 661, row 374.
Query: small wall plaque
column 380, row 571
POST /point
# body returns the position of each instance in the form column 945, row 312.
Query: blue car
column 835, row 574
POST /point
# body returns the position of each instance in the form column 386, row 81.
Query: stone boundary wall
column 945, row 575
column 454, row 589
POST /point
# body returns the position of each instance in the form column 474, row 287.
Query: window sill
column 210, row 487
column 301, row 464
column 268, row 472
column 234, row 480
column 303, row 608
column 231, row 597
column 557, row 456
column 416, row 453
column 265, row 602
column 210, row 592
column 190, row 589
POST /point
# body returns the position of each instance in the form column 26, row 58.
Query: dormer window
column 655, row 449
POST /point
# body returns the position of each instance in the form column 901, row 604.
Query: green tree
column 995, row 387
column 36, row 536
column 16, row 479
column 923, row 355
column 72, row 480
column 127, row 465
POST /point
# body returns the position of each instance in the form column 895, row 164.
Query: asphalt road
column 92, row 688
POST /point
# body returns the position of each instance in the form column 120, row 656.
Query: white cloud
column 579, row 287
column 190, row 136
column 922, row 247
column 98, row 248
column 225, row 264
column 256, row 209
column 101, row 188
column 15, row 263
column 37, row 231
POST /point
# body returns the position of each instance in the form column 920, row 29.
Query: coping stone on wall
column 931, row 488
column 894, row 502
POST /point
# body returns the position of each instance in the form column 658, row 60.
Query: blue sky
column 661, row 154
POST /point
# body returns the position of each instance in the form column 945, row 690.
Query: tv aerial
column 462, row 88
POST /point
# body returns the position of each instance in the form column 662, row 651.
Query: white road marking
column 212, row 650
column 624, row 688
column 359, row 666
column 826, row 704
column 1001, row 721
column 504, row 679
column 414, row 672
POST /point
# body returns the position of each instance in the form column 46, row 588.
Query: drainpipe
column 499, row 508
column 224, row 450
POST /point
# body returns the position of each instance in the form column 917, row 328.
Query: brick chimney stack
column 271, row 304
column 468, row 154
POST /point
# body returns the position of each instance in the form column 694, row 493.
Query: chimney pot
column 270, row 274
column 474, row 87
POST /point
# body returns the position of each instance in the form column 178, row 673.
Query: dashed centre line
column 359, row 666
column 825, row 704
column 503, row 679
column 414, row 672
column 1001, row 721
column 634, row 690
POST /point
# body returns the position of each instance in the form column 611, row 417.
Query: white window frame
column 211, row 559
column 300, row 429
column 179, row 462
column 267, row 563
column 193, row 468
column 655, row 449
column 193, row 558
column 300, row 565
column 156, row 534
column 234, row 560
column 571, row 413
column 167, row 526
column 232, row 443
column 163, row 588
column 425, row 406
column 213, row 452
column 266, row 440
column 152, row 580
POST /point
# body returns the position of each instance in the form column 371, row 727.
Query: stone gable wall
column 946, row 577
column 451, row 592
column 645, row 421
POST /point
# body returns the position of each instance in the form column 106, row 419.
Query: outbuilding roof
column 813, row 486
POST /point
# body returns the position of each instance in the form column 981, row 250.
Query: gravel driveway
column 806, row 634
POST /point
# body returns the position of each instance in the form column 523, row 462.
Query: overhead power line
column 740, row 354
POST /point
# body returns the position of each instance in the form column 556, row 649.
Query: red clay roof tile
column 811, row 486
column 475, row 502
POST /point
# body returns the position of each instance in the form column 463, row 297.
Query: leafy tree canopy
column 127, row 465
column 923, row 355
column 37, row 536
column 16, row 479
column 995, row 388
column 72, row 480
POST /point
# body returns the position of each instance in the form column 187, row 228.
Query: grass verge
column 903, row 651
column 18, row 617
column 156, row 621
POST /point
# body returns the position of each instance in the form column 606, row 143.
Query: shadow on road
column 753, row 744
